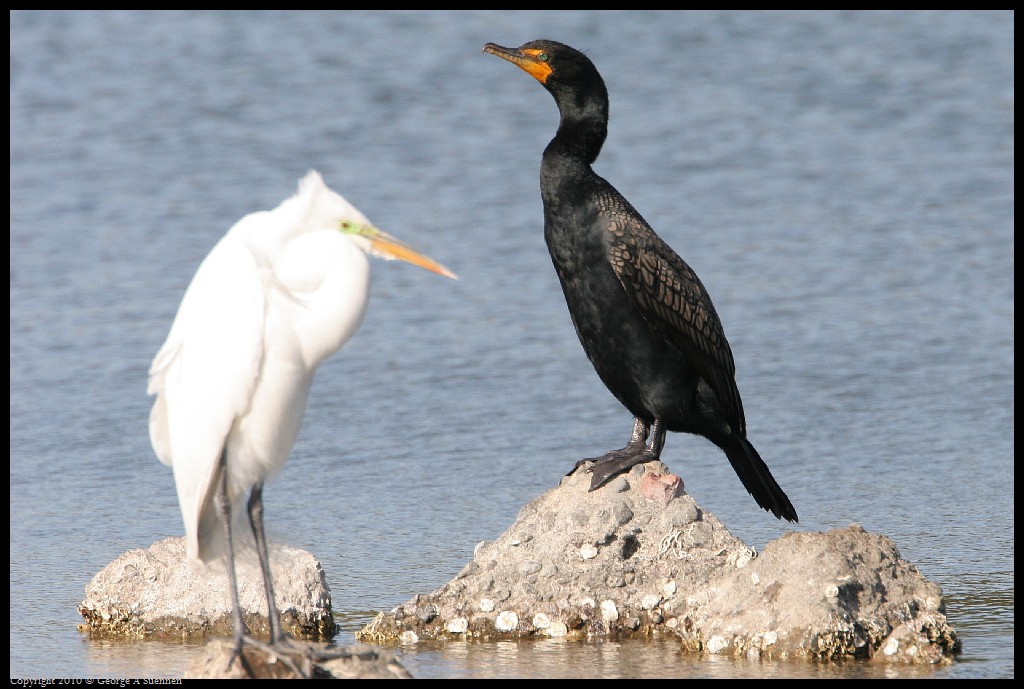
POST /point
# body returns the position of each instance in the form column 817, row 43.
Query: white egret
column 279, row 294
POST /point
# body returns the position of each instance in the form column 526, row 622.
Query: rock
column 357, row 662
column 633, row 560
column 155, row 593
column 840, row 594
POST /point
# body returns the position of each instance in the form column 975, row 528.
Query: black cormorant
column 645, row 320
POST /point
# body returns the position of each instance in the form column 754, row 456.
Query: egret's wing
column 205, row 374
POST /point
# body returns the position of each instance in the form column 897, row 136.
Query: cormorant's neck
column 583, row 125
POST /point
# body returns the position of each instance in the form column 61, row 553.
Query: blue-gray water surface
column 842, row 183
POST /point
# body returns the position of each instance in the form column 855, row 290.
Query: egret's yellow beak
column 384, row 245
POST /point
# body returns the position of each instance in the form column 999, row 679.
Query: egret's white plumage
column 281, row 292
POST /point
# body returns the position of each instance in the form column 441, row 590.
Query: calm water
column 843, row 183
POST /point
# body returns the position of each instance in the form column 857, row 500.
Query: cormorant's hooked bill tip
column 532, row 61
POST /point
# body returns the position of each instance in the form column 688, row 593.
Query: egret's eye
column 543, row 57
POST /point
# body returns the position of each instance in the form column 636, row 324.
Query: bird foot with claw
column 296, row 658
column 608, row 467
column 624, row 453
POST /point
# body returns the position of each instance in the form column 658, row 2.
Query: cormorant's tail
column 757, row 479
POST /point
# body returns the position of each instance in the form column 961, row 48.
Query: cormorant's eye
column 543, row 57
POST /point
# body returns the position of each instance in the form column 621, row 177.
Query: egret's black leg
column 280, row 643
column 614, row 463
column 224, row 506
column 241, row 635
column 255, row 507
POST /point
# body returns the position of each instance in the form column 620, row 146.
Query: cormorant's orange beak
column 532, row 61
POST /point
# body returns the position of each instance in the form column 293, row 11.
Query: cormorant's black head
column 551, row 63
column 578, row 90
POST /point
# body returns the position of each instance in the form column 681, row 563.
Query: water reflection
column 132, row 658
column 547, row 658
column 629, row 659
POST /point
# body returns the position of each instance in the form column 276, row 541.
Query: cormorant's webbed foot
column 615, row 455
column 610, row 466
column 634, row 447
column 636, row 451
